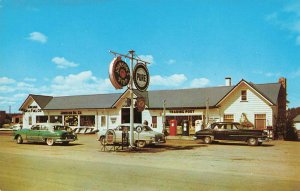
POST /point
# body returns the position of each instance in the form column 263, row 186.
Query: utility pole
column 164, row 116
column 131, row 136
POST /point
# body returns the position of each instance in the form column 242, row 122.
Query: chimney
column 227, row 81
column 282, row 81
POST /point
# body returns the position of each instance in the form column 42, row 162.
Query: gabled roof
column 41, row 100
column 180, row 98
column 269, row 92
column 96, row 101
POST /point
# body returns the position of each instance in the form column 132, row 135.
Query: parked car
column 231, row 131
column 143, row 135
column 49, row 133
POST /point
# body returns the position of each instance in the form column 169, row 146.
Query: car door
column 233, row 132
column 219, row 131
column 33, row 133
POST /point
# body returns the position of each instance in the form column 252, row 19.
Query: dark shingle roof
column 41, row 100
column 180, row 98
column 196, row 97
column 83, row 102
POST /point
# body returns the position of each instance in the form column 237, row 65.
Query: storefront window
column 55, row 119
column 87, row 120
column 71, row 120
column 42, row 119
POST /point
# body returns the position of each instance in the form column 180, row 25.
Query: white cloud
column 200, row 82
column 5, row 80
column 63, row 63
column 173, row 80
column 38, row 37
column 30, row 79
column 147, row 58
column 287, row 19
column 81, row 83
column 271, row 74
column 171, row 61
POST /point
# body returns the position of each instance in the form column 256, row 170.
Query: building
column 255, row 105
column 297, row 122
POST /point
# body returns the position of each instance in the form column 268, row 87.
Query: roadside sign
column 119, row 73
column 141, row 76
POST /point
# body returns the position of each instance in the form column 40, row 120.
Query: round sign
column 139, row 129
column 141, row 77
column 140, row 104
column 119, row 73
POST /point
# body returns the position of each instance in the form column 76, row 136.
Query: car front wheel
column 207, row 140
column 50, row 142
column 252, row 141
column 141, row 144
column 19, row 139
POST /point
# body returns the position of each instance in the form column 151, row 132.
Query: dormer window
column 244, row 95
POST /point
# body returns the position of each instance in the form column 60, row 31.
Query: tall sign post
column 120, row 75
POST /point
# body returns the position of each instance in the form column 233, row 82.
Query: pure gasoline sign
column 141, row 77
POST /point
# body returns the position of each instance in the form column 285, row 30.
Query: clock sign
column 119, row 73
column 141, row 77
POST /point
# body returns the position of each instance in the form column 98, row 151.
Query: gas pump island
column 121, row 75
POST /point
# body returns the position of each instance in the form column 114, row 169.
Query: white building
column 255, row 105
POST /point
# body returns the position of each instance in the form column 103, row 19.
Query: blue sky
column 62, row 47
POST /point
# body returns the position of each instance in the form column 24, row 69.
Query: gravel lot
column 176, row 165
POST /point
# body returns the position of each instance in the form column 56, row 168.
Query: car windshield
column 147, row 128
column 61, row 127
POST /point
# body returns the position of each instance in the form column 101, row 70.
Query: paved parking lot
column 177, row 165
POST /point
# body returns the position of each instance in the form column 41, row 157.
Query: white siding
column 255, row 104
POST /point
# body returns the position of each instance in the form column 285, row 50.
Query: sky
column 61, row 47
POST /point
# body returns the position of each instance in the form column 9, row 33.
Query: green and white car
column 143, row 135
column 49, row 133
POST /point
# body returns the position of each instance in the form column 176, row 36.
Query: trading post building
column 258, row 106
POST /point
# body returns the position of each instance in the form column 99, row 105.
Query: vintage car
column 231, row 131
column 49, row 133
column 143, row 135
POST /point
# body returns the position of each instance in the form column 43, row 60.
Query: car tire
column 207, row 140
column 50, row 141
column 141, row 144
column 252, row 141
column 102, row 140
column 19, row 139
column 259, row 143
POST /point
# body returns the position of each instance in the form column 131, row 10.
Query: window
column 87, row 120
column 103, row 121
column 260, row 121
column 244, row 95
column 41, row 119
column 154, row 121
column 228, row 118
column 71, row 120
column 55, row 119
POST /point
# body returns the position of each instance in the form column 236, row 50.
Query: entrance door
column 126, row 116
column 260, row 121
